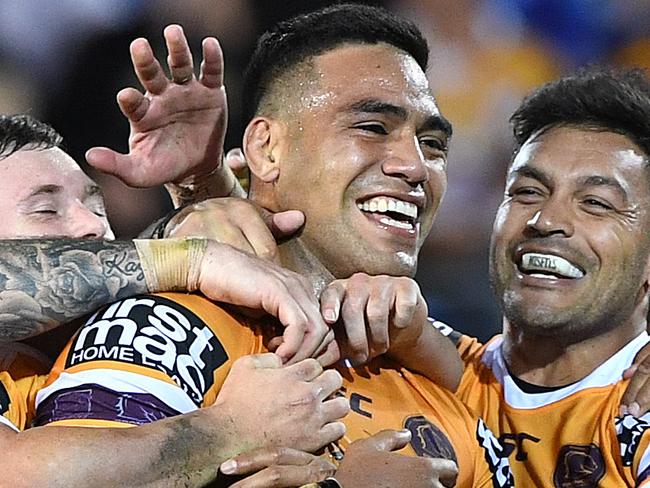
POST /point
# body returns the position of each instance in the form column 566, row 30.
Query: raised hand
column 177, row 126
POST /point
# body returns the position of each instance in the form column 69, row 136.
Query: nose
column 552, row 218
column 85, row 224
column 405, row 160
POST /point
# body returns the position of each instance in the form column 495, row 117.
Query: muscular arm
column 45, row 283
column 182, row 451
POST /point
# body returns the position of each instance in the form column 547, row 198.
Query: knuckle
column 274, row 473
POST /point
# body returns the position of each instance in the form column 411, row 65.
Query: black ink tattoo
column 46, row 283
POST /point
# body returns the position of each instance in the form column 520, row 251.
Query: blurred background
column 64, row 61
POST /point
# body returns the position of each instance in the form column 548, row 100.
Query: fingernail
column 229, row 467
column 634, row 409
column 329, row 315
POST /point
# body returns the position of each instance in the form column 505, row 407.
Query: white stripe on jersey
column 122, row 382
column 608, row 373
column 4, row 420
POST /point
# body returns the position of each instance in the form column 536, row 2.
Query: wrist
column 171, row 264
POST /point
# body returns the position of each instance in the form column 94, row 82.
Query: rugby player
column 570, row 263
column 362, row 153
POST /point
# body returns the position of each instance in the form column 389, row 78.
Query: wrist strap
column 171, row 264
column 329, row 483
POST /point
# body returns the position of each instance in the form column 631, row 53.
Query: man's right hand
column 269, row 405
column 371, row 462
column 235, row 277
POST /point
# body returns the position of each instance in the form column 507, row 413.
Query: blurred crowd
column 64, row 61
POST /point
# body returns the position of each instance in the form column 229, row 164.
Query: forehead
column 365, row 71
column 566, row 152
column 27, row 169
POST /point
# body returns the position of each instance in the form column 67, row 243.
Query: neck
column 295, row 256
column 554, row 362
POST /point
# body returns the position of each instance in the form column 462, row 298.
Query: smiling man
column 570, row 265
column 362, row 153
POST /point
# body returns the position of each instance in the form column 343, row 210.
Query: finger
column 325, row 342
column 446, row 469
column 212, row 64
column 377, row 311
column 286, row 476
column 330, row 356
column 328, row 383
column 286, row 224
column 260, row 361
column 386, row 440
column 331, row 432
column 636, row 391
column 133, row 104
column 305, row 370
column 258, row 235
column 354, row 322
column 102, row 159
column 179, row 58
column 147, row 68
column 406, row 302
column 253, row 461
column 330, row 301
column 639, row 405
column 335, row 408
column 302, row 341
column 274, row 343
column 236, row 160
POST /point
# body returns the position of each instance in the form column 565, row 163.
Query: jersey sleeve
column 12, row 404
column 142, row 359
column 633, row 435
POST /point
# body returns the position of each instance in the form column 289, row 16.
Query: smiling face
column 44, row 193
column 363, row 156
column 569, row 251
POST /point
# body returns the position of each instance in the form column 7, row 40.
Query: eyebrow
column 605, row 181
column 594, row 180
column 372, row 106
column 44, row 190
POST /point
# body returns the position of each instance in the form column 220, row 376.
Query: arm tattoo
column 46, row 283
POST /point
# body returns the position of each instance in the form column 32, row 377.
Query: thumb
column 386, row 440
column 283, row 225
column 236, row 160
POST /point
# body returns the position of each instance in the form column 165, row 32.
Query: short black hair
column 24, row 131
column 595, row 97
column 296, row 40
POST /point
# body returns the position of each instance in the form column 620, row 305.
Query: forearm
column 45, row 283
column 182, row 451
column 433, row 355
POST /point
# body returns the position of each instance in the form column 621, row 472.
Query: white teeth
column 396, row 223
column 385, row 204
column 548, row 262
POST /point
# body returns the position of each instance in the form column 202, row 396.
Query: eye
column 45, row 211
column 526, row 194
column 597, row 205
column 374, row 127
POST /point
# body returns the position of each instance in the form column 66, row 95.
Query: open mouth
column 391, row 212
column 548, row 266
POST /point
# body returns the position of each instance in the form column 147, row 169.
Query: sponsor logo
column 153, row 332
column 495, row 456
column 579, row 466
column 428, row 440
column 629, row 431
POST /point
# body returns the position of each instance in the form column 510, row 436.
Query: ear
column 262, row 149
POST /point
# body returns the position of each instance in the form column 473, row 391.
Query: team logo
column 579, row 467
column 427, row 440
column 629, row 431
column 495, row 456
column 156, row 333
